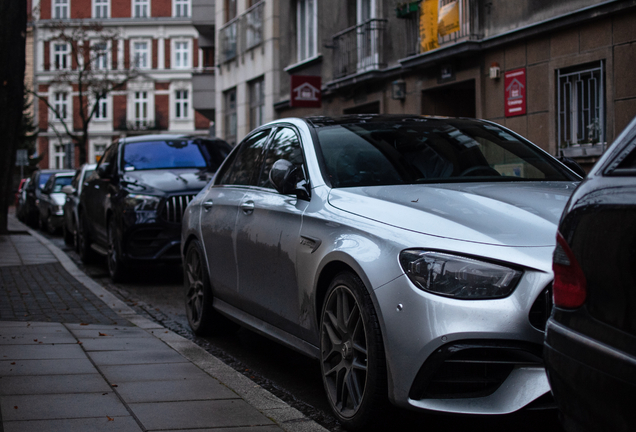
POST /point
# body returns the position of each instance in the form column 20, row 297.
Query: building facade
column 567, row 65
column 148, row 49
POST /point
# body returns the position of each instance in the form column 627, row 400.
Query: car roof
column 164, row 137
column 319, row 121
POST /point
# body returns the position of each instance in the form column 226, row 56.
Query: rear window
column 60, row 182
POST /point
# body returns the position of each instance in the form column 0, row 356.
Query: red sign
column 515, row 85
column 305, row 91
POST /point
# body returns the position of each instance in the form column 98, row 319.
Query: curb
column 285, row 416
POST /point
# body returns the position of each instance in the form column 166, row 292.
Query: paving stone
column 43, row 352
column 108, row 343
column 93, row 331
column 136, row 357
column 198, row 414
column 53, row 384
column 272, row 428
column 152, row 372
column 46, row 367
column 174, row 390
column 97, row 424
column 60, row 406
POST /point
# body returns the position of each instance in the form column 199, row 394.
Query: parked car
column 73, row 191
column 590, row 345
column 130, row 208
column 410, row 255
column 51, row 202
column 20, row 207
column 34, row 193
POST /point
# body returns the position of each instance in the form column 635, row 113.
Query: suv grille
column 175, row 207
column 541, row 309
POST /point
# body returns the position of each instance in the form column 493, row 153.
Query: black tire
column 352, row 360
column 116, row 262
column 69, row 236
column 49, row 224
column 84, row 250
column 203, row 319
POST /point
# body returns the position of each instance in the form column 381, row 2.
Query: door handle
column 247, row 207
column 207, row 205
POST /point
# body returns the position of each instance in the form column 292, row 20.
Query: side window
column 285, row 145
column 75, row 181
column 244, row 170
column 107, row 162
column 48, row 187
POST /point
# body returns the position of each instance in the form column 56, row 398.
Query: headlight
column 456, row 276
column 142, row 202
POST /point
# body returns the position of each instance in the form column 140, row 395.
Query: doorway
column 454, row 100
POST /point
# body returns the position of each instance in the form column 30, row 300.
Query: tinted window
column 60, row 182
column 44, row 177
column 215, row 153
column 247, row 163
column 162, row 155
column 108, row 160
column 285, row 145
column 430, row 151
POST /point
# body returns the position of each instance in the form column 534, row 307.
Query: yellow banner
column 448, row 19
column 428, row 25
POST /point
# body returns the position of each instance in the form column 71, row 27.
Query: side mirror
column 68, row 190
column 573, row 165
column 286, row 179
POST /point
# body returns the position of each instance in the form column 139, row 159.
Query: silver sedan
column 410, row 255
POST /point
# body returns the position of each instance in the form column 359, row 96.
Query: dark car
column 131, row 207
column 590, row 345
column 33, row 194
column 21, row 199
column 51, row 202
column 73, row 191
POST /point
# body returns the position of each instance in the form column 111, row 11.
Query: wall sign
column 305, row 91
column 515, row 92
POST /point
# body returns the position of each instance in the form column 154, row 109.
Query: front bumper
column 594, row 385
column 148, row 238
column 460, row 356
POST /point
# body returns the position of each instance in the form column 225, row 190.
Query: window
column 253, row 25
column 257, row 102
column 98, row 151
column 243, row 170
column 181, row 55
column 100, row 8
column 100, row 54
column 230, row 10
column 580, row 104
column 181, row 104
column 101, row 113
column 141, row 55
column 285, row 145
column 181, row 8
column 208, row 57
column 61, row 56
column 306, row 28
column 60, row 103
column 141, row 8
column 59, row 156
column 141, row 108
column 229, row 101
column 60, row 9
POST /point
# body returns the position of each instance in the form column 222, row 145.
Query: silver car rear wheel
column 352, row 353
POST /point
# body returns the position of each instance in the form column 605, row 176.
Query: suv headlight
column 457, row 276
column 142, row 202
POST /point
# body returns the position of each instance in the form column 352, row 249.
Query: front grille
column 541, row 309
column 174, row 207
column 472, row 369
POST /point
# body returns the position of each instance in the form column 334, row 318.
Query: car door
column 97, row 193
column 267, row 237
column 219, row 210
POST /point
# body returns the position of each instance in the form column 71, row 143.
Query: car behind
column 590, row 344
column 51, row 201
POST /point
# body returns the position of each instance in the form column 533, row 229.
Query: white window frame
column 59, row 155
column 181, row 8
column 140, row 9
column 61, row 9
column 103, row 110
column 306, row 29
column 141, row 106
column 182, row 104
column 61, row 58
column 97, row 147
column 181, row 57
column 101, row 61
column 60, row 99
column 101, row 9
column 135, row 51
column 256, row 89
column 369, row 58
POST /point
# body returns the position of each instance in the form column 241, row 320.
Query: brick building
column 154, row 37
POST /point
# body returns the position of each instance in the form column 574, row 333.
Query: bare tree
column 13, row 17
column 87, row 69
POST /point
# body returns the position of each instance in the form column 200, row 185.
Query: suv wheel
column 116, row 263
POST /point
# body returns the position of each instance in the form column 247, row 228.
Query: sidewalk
column 73, row 357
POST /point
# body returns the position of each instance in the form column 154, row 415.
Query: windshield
column 164, row 154
column 44, row 178
column 60, row 182
column 430, row 151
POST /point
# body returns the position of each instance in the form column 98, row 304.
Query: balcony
column 242, row 34
column 359, row 48
column 203, row 21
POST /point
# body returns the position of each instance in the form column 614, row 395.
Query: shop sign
column 515, row 92
column 305, row 91
column 448, row 21
column 428, row 25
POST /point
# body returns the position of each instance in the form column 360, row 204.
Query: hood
column 166, row 181
column 507, row 214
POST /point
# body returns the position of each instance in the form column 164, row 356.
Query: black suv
column 130, row 208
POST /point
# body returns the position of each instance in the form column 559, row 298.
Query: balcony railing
column 242, row 33
column 468, row 27
column 359, row 48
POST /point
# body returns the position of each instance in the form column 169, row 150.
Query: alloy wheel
column 195, row 287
